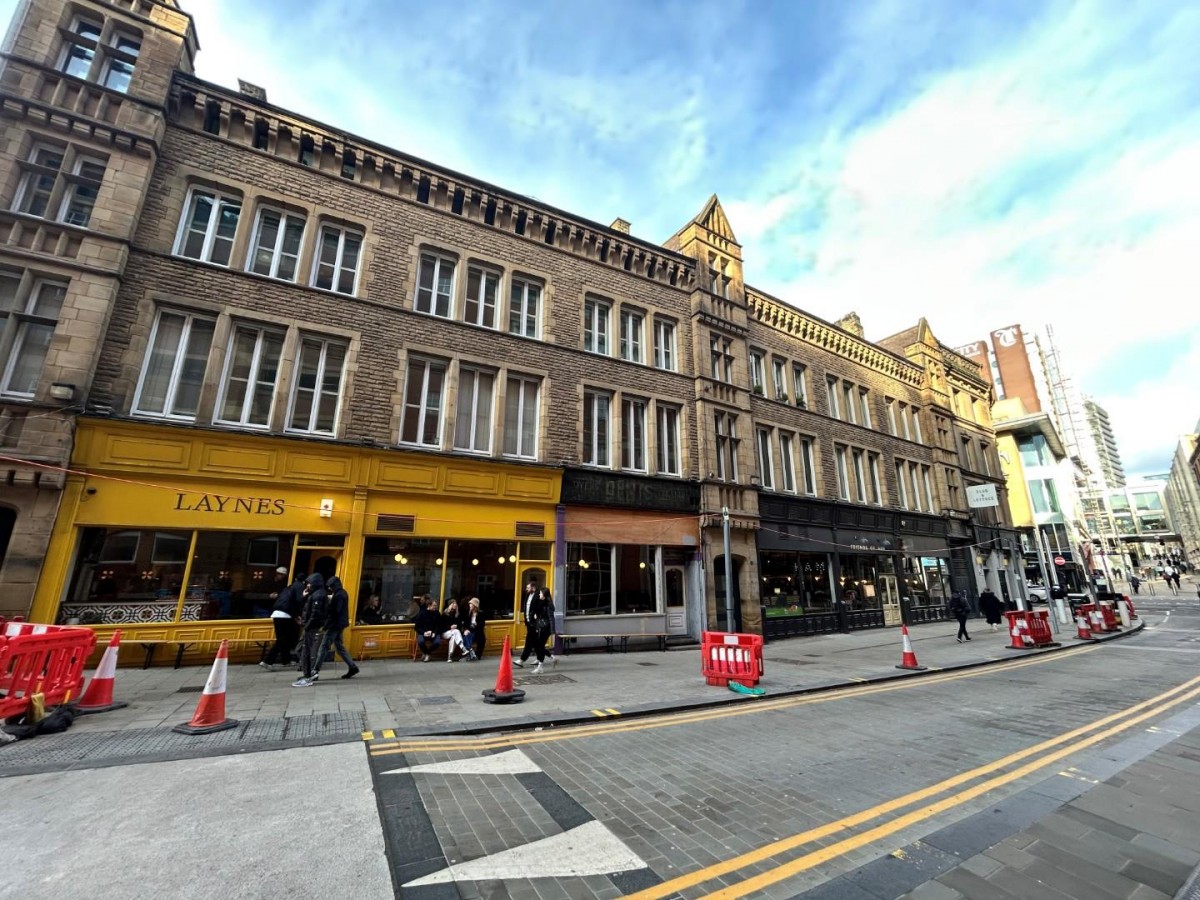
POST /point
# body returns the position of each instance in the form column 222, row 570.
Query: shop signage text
column 638, row 493
column 981, row 496
column 255, row 506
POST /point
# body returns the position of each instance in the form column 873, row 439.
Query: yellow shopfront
column 178, row 536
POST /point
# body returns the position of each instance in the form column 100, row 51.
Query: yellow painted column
column 59, row 553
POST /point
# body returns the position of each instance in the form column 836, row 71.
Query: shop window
column 28, row 317
column 124, row 575
column 399, row 572
column 435, row 285
column 608, row 579
column 473, row 418
column 251, row 369
column 483, row 287
column 170, row 548
column 483, row 569
column 278, row 237
column 174, row 370
column 423, row 402
column 521, row 416
column 208, row 227
column 524, row 307
column 338, row 255
column 224, row 584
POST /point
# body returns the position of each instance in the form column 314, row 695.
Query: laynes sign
column 981, row 495
column 255, row 506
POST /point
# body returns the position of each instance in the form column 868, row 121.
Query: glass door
column 889, row 595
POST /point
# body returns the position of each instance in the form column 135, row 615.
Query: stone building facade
column 291, row 348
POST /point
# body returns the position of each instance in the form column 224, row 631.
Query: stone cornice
column 811, row 330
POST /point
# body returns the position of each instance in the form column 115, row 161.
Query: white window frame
column 75, row 183
column 832, row 387
column 219, row 202
column 890, row 405
column 779, row 378
column 766, row 463
column 927, row 481
column 479, row 392
column 664, row 344
column 525, row 307
column 597, row 450
column 875, row 484
column 860, row 475
column 430, row 405
column 864, row 406
column 901, row 486
column 787, row 461
column 721, row 358
column 634, row 444
column 597, row 325
column 849, row 401
column 519, row 383
column 22, row 319
column 78, row 39
column 338, row 266
column 800, row 384
column 319, row 381
column 261, row 335
column 725, row 426
column 439, row 303
column 903, row 410
column 758, row 374
column 633, row 328
column 840, row 452
column 485, row 312
column 115, row 54
column 190, row 320
column 916, row 487
column 33, row 173
column 808, row 466
column 668, row 457
column 278, row 254
column 916, row 422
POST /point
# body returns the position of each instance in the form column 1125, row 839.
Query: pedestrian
column 284, row 617
column 450, row 631
column 1175, row 577
column 551, row 625
column 960, row 610
column 338, row 619
column 1169, row 575
column 473, row 626
column 990, row 606
column 1135, row 583
column 537, row 627
column 316, row 611
column 427, row 628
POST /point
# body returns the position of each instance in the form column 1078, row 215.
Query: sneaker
column 450, row 659
column 553, row 660
column 315, row 676
column 267, row 666
column 425, row 657
column 351, row 673
column 537, row 670
column 302, row 682
column 518, row 663
column 472, row 657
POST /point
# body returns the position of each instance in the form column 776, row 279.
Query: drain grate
column 792, row 662
column 645, row 664
column 435, row 701
column 191, row 689
column 544, row 679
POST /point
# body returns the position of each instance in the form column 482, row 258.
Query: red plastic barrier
column 41, row 659
column 1110, row 616
column 728, row 657
column 1029, row 628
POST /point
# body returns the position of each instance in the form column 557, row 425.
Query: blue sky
column 978, row 162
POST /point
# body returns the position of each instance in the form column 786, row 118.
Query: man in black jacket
column 284, row 615
column 339, row 618
column 316, row 611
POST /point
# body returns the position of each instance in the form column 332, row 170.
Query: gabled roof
column 711, row 218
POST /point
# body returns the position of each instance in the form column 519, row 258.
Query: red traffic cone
column 210, row 711
column 99, row 694
column 909, row 659
column 1083, row 630
column 504, row 692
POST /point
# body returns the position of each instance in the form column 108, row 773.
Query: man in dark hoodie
column 284, row 616
column 339, row 618
column 316, row 611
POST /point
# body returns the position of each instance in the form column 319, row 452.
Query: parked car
column 1037, row 592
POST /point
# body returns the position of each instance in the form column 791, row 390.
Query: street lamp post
column 728, row 570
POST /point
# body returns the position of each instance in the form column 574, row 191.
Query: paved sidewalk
column 413, row 698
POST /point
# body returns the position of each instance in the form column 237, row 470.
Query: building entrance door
column 675, row 587
column 889, row 596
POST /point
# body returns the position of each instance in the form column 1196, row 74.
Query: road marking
column 605, row 713
column 1165, row 700
column 389, row 733
column 589, row 849
column 368, row 735
column 672, row 720
column 510, row 762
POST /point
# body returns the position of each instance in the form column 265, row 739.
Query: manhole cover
column 435, row 701
column 544, row 679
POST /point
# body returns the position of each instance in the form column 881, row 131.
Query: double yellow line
column 1039, row 756
column 672, row 720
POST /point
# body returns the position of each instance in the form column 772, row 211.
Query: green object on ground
column 742, row 689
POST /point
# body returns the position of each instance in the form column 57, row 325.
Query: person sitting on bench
column 428, row 628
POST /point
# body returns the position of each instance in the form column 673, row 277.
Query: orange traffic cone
column 210, row 711
column 909, row 659
column 1083, row 630
column 99, row 694
column 504, row 692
